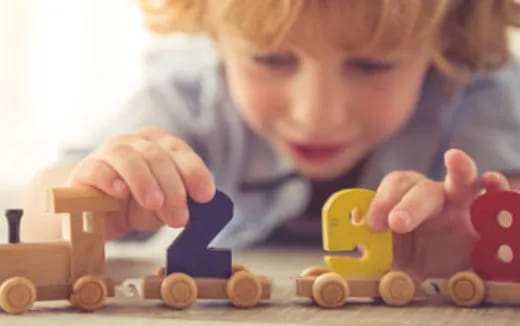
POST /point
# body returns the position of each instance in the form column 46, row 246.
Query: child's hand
column 154, row 172
column 431, row 220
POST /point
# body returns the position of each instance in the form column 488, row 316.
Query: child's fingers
column 95, row 172
column 140, row 219
column 132, row 167
column 493, row 181
column 194, row 172
column 423, row 200
column 389, row 193
column 174, row 210
column 152, row 133
column 195, row 175
column 461, row 180
column 135, row 218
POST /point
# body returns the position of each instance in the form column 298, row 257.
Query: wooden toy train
column 495, row 276
column 74, row 268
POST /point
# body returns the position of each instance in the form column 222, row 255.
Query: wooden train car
column 179, row 290
column 494, row 277
column 495, row 273
column 194, row 271
column 368, row 276
column 331, row 290
column 72, row 269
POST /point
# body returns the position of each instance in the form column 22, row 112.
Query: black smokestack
column 13, row 218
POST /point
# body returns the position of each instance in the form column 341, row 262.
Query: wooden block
column 42, row 263
column 63, row 291
column 393, row 288
column 53, row 292
column 502, row 292
column 151, row 287
column 304, row 286
column 80, row 199
column 84, row 226
column 266, row 285
column 341, row 234
column 87, row 246
column 189, row 252
column 467, row 289
column 209, row 288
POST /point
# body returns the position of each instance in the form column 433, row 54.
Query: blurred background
column 66, row 66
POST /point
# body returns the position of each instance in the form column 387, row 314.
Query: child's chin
column 325, row 172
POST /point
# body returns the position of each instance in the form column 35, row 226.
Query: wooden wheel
column 466, row 289
column 396, row 288
column 178, row 290
column 17, row 295
column 314, row 271
column 243, row 290
column 330, row 290
column 89, row 292
column 237, row 268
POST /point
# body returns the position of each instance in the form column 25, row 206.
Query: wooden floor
column 282, row 265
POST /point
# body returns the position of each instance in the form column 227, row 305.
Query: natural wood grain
column 282, row 266
column 207, row 288
column 45, row 263
column 79, row 199
column 503, row 292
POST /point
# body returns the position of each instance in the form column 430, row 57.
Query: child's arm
column 434, row 236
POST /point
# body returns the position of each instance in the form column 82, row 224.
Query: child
column 308, row 97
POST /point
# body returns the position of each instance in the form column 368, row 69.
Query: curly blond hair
column 466, row 35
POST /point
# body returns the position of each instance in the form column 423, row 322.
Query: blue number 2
column 189, row 252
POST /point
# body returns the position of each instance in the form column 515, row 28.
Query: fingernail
column 119, row 186
column 182, row 215
column 204, row 193
column 154, row 199
column 401, row 219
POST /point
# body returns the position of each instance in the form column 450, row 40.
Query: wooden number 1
column 340, row 234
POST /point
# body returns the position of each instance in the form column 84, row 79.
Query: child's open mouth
column 316, row 152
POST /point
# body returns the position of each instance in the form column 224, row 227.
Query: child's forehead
column 352, row 25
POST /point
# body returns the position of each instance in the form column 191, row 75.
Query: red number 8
column 493, row 235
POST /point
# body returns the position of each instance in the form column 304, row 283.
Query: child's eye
column 371, row 66
column 277, row 60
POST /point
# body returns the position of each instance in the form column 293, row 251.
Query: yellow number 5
column 340, row 234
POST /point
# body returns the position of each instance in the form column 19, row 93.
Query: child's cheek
column 381, row 111
column 259, row 99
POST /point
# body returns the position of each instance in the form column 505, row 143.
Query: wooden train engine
column 73, row 268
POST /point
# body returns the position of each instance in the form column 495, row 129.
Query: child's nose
column 318, row 102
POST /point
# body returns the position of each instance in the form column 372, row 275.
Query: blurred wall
column 65, row 65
